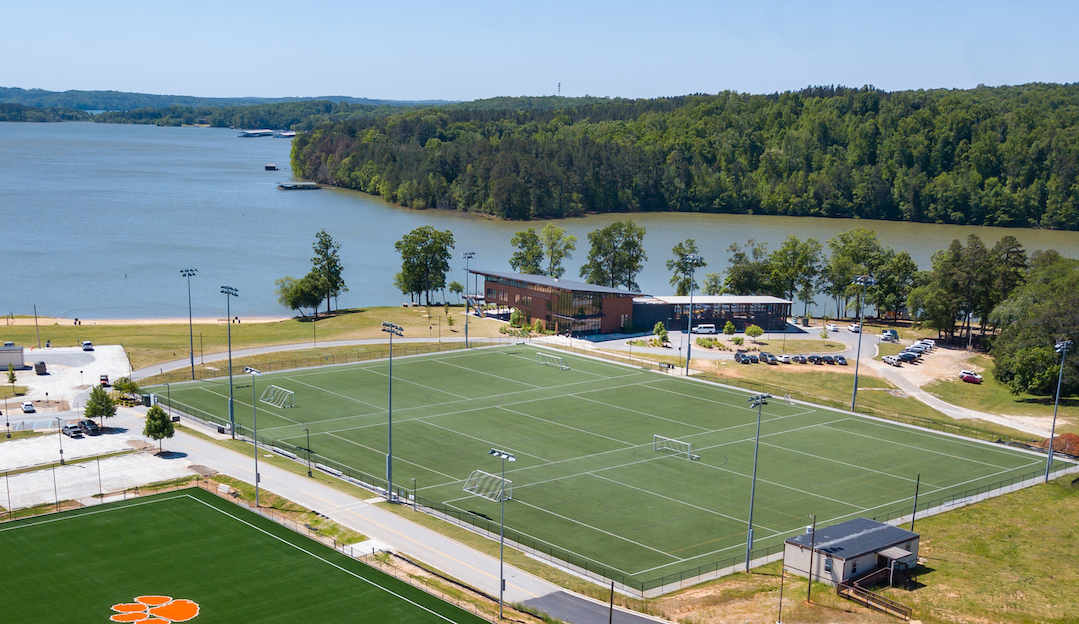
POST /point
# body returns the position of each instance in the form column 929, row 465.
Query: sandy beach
column 51, row 320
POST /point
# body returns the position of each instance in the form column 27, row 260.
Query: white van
column 87, row 345
column 704, row 328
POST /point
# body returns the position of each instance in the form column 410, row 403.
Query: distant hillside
column 18, row 112
column 119, row 100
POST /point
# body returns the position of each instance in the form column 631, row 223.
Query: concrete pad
column 39, row 450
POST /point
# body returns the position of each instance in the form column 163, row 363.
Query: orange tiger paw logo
column 149, row 609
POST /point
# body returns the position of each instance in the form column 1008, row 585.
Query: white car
column 965, row 373
column 704, row 328
column 891, row 360
column 28, row 407
column 831, row 327
column 854, row 327
column 784, row 359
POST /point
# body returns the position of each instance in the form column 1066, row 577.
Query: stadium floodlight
column 60, row 436
column 255, row 426
column 392, row 330
column 496, row 489
column 865, row 281
column 695, row 261
column 189, row 273
column 756, row 401
column 229, row 293
column 468, row 255
column 308, row 449
column 1061, row 348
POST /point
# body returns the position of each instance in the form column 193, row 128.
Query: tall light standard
column 60, row 436
column 694, row 262
column 229, row 293
column 189, row 273
column 308, row 432
column 757, row 401
column 865, row 281
column 502, row 496
column 1061, row 348
column 255, row 427
column 392, row 330
column 468, row 255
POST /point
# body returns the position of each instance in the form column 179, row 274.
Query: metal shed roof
column 555, row 282
column 711, row 299
column 854, row 538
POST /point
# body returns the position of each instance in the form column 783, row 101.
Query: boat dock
column 298, row 186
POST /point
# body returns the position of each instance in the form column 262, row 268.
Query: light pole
column 468, row 255
column 392, row 330
column 255, row 427
column 413, row 493
column 229, row 293
column 504, row 456
column 60, row 437
column 812, row 548
column 757, row 401
column 189, row 273
column 694, row 261
column 865, row 281
column 1061, row 348
column 308, row 432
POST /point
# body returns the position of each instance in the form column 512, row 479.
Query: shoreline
column 53, row 320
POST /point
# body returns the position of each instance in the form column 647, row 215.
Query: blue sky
column 467, row 50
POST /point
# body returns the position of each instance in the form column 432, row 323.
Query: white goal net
column 678, row 447
column 489, row 486
column 278, row 397
column 553, row 360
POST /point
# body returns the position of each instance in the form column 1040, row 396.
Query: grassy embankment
column 10, row 392
column 155, row 343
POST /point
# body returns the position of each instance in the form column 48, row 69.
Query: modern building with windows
column 768, row 313
column 562, row 305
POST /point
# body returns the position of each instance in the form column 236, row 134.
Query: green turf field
column 238, row 567
column 587, row 480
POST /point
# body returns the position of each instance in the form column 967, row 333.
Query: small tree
column 729, row 329
column 126, row 387
column 456, row 288
column 11, row 377
column 516, row 318
column 661, row 332
column 158, row 426
column 754, row 332
column 449, row 321
column 738, row 340
column 100, row 405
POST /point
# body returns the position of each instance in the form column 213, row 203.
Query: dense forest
column 302, row 115
column 122, row 101
column 1004, row 156
column 18, row 112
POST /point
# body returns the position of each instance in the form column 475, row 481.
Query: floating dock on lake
column 298, row 186
column 244, row 134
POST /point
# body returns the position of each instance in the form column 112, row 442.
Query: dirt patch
column 1067, row 443
column 203, row 471
column 142, row 446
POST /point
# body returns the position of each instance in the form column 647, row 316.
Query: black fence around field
column 583, row 565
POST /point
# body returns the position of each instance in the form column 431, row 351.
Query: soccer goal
column 489, row 486
column 554, row 360
column 678, row 447
column 278, row 397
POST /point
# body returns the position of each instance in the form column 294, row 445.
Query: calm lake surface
column 99, row 219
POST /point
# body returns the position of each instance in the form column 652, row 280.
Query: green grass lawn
column 587, row 483
column 888, row 348
column 10, row 392
column 795, row 346
column 237, row 566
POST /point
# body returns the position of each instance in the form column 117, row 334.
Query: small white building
column 850, row 550
column 12, row 356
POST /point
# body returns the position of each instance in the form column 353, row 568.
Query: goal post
column 678, row 447
column 489, row 486
column 553, row 360
column 278, row 397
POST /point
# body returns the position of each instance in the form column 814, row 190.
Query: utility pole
column 468, row 255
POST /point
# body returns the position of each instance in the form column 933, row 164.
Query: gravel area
column 39, row 450
column 80, row 481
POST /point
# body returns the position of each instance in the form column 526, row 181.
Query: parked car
column 889, row 335
column 815, row 359
column 966, row 373
column 854, row 327
column 753, row 359
column 704, row 328
column 919, row 349
column 28, row 407
column 971, row 379
column 831, row 327
column 104, row 381
column 768, row 358
column 87, row 345
column 9, row 344
column 89, row 427
column 907, row 356
column 827, row 359
column 928, row 344
column 784, row 359
column 741, row 358
column 842, row 361
column 800, row 359
column 891, row 360
column 929, row 341
column 71, row 431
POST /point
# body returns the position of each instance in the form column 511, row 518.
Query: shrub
column 738, row 340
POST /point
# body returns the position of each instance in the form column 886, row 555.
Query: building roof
column 711, row 299
column 555, row 282
column 854, row 538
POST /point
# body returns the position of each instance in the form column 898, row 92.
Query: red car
column 974, row 379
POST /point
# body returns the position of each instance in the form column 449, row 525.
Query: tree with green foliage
column 557, row 246
column 100, row 405
column 456, row 288
column 748, row 273
column 795, row 268
column 729, row 329
column 895, row 279
column 296, row 294
column 854, row 252
column 11, row 377
column 686, row 261
column 754, row 332
column 660, row 332
column 425, row 261
column 617, row 255
column 158, row 425
column 713, row 284
column 326, row 267
column 529, row 255
column 126, row 387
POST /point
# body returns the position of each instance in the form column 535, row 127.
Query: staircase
column 856, row 591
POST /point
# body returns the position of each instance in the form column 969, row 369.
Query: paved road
column 448, row 555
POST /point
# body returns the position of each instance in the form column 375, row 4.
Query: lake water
column 99, row 219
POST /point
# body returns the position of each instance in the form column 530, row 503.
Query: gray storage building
column 850, row 550
column 12, row 356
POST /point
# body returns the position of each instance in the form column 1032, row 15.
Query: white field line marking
column 842, row 463
column 953, row 437
column 401, row 459
column 577, row 395
column 558, row 424
column 378, row 409
column 479, row 372
column 324, row 560
column 408, row 381
column 576, row 370
column 69, row 516
column 241, row 402
column 472, row 437
column 919, row 448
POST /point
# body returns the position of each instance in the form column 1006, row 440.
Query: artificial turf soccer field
column 587, row 480
column 238, row 567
